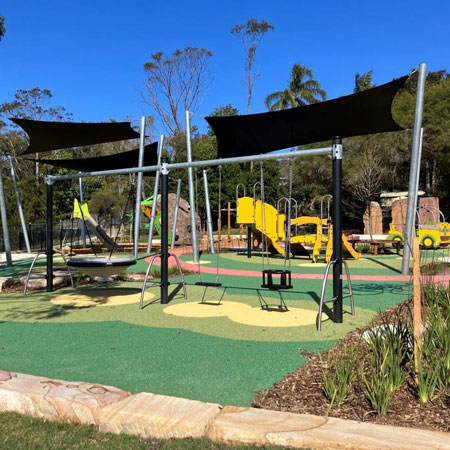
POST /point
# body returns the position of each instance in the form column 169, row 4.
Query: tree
column 436, row 137
column 251, row 35
column 365, row 177
column 2, row 27
column 364, row 81
column 302, row 90
column 176, row 84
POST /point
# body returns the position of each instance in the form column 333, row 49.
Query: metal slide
column 101, row 235
column 82, row 213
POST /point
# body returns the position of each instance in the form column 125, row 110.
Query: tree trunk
column 37, row 170
column 427, row 175
column 433, row 173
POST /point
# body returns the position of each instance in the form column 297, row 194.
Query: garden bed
column 302, row 391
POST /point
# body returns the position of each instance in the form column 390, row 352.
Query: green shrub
column 388, row 355
column 378, row 386
column 436, row 347
column 364, row 248
column 338, row 375
column 427, row 378
column 438, row 295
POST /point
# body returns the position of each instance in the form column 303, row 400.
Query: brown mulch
column 301, row 391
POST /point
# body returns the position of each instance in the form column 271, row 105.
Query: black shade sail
column 362, row 113
column 123, row 160
column 48, row 136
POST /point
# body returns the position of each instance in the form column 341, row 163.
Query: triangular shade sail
column 48, row 136
column 123, row 160
column 362, row 113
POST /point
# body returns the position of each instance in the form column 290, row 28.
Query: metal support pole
column 207, row 163
column 83, row 226
column 137, row 212
column 337, row 229
column 249, row 242
column 19, row 205
column 155, row 196
column 175, row 214
column 420, row 159
column 191, row 189
column 414, row 170
column 49, row 230
column 4, row 218
column 229, row 220
column 164, row 231
column 208, row 212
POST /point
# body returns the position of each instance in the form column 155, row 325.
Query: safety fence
column 65, row 233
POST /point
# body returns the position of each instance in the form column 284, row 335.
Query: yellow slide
column 346, row 246
column 251, row 213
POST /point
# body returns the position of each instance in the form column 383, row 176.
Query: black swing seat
column 208, row 284
column 268, row 280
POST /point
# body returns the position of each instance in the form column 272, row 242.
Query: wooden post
column 229, row 221
column 417, row 316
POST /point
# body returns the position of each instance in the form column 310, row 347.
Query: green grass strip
column 24, row 433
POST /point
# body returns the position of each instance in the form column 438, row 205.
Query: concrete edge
column 158, row 416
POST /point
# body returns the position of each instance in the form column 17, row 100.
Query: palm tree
column 2, row 27
column 364, row 81
column 302, row 90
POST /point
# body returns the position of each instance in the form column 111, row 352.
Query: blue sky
column 90, row 54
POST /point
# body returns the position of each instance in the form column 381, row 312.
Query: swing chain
column 264, row 239
column 220, row 219
column 287, row 252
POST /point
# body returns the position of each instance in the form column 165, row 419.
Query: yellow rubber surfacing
column 245, row 314
column 102, row 297
column 197, row 263
column 311, row 264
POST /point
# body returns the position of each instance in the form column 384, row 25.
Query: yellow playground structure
column 268, row 225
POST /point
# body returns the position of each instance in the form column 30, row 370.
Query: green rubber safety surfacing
column 141, row 359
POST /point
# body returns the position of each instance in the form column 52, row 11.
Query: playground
column 183, row 312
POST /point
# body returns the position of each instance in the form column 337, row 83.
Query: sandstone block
column 158, row 416
column 263, row 427
column 55, row 399
column 429, row 210
column 373, row 219
column 183, row 230
column 38, row 280
column 5, row 282
column 399, row 210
